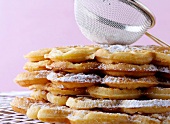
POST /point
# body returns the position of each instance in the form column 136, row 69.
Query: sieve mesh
column 111, row 21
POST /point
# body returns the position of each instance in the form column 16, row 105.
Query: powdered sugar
column 164, row 69
column 127, row 67
column 122, row 48
column 144, row 103
column 42, row 74
column 109, row 79
column 151, row 68
column 84, row 102
column 80, row 77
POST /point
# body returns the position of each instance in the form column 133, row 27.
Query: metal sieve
column 113, row 21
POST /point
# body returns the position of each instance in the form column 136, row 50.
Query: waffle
column 130, row 83
column 97, row 84
column 113, row 93
column 38, row 55
column 26, row 79
column 72, row 80
column 37, row 66
column 124, row 54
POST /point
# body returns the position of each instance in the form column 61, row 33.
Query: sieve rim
column 145, row 10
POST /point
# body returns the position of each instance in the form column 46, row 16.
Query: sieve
column 114, row 21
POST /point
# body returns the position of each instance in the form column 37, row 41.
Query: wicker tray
column 8, row 116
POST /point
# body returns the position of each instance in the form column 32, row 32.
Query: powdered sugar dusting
column 127, row 67
column 152, row 68
column 112, row 79
column 42, row 74
column 122, row 48
column 80, row 77
column 144, row 103
column 85, row 102
column 164, row 69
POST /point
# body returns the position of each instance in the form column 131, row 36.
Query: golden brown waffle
column 129, row 83
column 59, row 90
column 113, row 93
column 37, row 66
column 37, row 55
column 126, row 106
column 39, row 95
column 158, row 93
column 161, row 55
column 124, row 54
column 54, row 114
column 85, row 103
column 123, row 69
column 57, row 99
column 97, row 84
column 145, row 106
column 72, row 53
column 85, row 67
column 48, row 112
column 37, row 87
column 72, row 80
column 22, row 104
column 34, row 108
column 95, row 117
column 26, row 79
column 164, row 117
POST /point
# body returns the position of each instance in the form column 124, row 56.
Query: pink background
column 27, row 25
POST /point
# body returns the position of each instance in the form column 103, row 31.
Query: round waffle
column 86, row 67
column 59, row 90
column 57, row 99
column 38, row 55
column 73, row 53
column 145, row 106
column 84, row 103
column 36, row 87
column 37, row 66
column 21, row 104
column 26, row 79
column 113, row 93
column 126, row 106
column 158, row 93
column 96, row 117
column 123, row 54
column 54, row 114
column 74, row 80
column 39, row 95
column 123, row 69
column 162, row 57
column 129, row 83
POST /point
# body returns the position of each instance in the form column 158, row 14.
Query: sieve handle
column 158, row 41
column 145, row 10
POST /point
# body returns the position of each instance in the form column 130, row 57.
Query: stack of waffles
column 97, row 84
